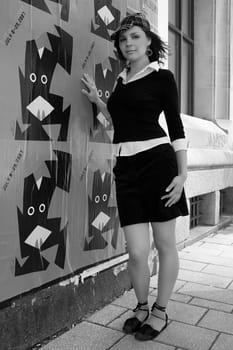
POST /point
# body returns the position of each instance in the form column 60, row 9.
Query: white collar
column 152, row 66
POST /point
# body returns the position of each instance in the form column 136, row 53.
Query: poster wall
column 57, row 195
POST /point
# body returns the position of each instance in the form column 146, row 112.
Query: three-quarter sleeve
column 171, row 110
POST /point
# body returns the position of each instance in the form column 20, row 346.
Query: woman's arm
column 181, row 157
column 176, row 132
column 103, row 108
column 175, row 188
column 92, row 95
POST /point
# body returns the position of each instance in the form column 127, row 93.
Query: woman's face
column 133, row 43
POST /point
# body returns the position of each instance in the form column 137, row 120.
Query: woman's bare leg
column 165, row 242
column 138, row 244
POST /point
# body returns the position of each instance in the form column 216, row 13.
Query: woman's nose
column 128, row 42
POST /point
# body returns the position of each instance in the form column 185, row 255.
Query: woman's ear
column 149, row 41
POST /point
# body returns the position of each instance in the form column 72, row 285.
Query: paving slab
column 217, row 246
column 219, row 270
column 154, row 283
column 130, row 343
column 85, row 336
column 230, row 286
column 181, row 297
column 179, row 284
column 127, row 300
column 186, row 313
column 107, row 314
column 224, row 342
column 201, row 250
column 219, row 321
column 175, row 297
column 204, row 278
column 187, row 336
column 220, row 239
column 208, row 293
column 222, row 261
column 212, row 305
column 191, row 265
column 226, row 254
column 117, row 324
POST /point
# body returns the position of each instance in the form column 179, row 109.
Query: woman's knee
column 138, row 242
column 166, row 247
column 139, row 255
column 164, row 236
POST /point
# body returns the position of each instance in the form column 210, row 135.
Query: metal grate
column 195, row 211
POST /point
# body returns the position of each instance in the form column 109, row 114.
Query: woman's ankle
column 159, row 306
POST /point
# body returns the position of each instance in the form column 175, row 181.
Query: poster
column 57, row 201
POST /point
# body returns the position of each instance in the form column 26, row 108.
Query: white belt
column 132, row 147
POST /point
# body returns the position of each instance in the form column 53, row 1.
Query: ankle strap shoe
column 133, row 324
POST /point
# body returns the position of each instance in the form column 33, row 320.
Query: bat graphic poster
column 57, row 194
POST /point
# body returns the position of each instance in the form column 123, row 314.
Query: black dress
column 141, row 179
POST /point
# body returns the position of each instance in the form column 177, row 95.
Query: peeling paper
column 86, row 274
column 119, row 268
column 73, row 280
column 33, row 301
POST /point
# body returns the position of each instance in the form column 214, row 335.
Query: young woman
column 150, row 171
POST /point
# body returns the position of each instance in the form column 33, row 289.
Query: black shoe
column 146, row 332
column 132, row 324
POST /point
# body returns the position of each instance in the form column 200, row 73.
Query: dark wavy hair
column 158, row 46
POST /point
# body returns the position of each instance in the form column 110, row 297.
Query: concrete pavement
column 200, row 310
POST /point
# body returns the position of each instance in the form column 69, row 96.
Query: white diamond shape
column 41, row 51
column 40, row 108
column 106, row 15
column 38, row 237
column 38, row 182
column 105, row 72
column 100, row 221
column 103, row 120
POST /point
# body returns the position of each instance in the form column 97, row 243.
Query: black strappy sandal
column 133, row 324
column 146, row 332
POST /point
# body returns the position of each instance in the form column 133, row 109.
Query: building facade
column 61, row 249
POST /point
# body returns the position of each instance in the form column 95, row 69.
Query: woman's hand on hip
column 175, row 190
column 91, row 92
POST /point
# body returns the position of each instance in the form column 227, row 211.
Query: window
column 195, row 213
column 181, row 45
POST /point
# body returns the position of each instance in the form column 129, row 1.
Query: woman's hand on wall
column 91, row 92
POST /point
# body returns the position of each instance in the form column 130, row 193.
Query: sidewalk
column 200, row 310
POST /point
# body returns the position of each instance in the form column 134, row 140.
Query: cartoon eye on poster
column 105, row 77
column 38, row 232
column 105, row 21
column 39, row 106
column 103, row 217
